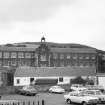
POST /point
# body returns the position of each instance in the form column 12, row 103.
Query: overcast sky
column 62, row 21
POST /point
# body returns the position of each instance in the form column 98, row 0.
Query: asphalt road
column 49, row 99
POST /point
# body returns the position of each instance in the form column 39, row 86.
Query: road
column 49, row 99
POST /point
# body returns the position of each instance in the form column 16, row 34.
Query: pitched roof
column 74, row 50
column 5, row 48
column 54, row 71
column 60, row 50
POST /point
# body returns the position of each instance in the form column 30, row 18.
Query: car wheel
column 68, row 101
column 84, row 103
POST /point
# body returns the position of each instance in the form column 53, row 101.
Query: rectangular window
column 80, row 57
column 18, row 81
column 13, row 62
column 103, row 57
column 55, row 56
column 0, row 54
column 61, row 56
column 74, row 57
column 27, row 55
column 93, row 57
column 20, row 55
column 6, row 54
column 13, row 55
column 87, row 57
column 55, row 63
column 31, row 80
column 0, row 62
column 43, row 58
column 60, row 79
column 62, row 63
column 68, row 56
column 6, row 62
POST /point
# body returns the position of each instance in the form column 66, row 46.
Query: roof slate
column 54, row 71
column 4, row 48
column 59, row 50
column 74, row 50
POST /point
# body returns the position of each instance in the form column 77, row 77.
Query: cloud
column 65, row 21
column 29, row 10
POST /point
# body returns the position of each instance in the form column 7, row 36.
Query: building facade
column 44, row 54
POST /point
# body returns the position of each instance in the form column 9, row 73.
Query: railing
column 16, row 102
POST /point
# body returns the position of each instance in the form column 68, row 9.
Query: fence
column 15, row 102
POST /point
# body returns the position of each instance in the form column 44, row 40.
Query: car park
column 78, row 87
column 96, row 93
column 80, row 98
column 27, row 90
column 56, row 89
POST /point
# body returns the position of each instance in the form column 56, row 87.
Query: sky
column 61, row 21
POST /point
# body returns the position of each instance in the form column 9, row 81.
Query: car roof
column 93, row 90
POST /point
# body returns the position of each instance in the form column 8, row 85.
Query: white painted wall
column 23, row 81
column 26, row 80
column 101, row 81
column 66, row 80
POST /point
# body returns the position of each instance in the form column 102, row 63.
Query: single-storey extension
column 62, row 75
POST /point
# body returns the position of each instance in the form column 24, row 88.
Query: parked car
column 27, row 90
column 56, row 89
column 80, row 98
column 78, row 87
column 96, row 93
column 95, row 87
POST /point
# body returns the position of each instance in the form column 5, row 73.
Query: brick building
column 45, row 54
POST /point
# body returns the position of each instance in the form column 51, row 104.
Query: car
column 56, row 89
column 80, row 98
column 78, row 87
column 96, row 93
column 27, row 90
column 95, row 87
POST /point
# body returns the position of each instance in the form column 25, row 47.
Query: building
column 50, row 75
column 50, row 55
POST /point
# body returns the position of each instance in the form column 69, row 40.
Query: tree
column 78, row 80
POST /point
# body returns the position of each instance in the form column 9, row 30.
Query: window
column 27, row 55
column 13, row 55
column 61, row 56
column 0, row 54
column 20, row 55
column 68, row 56
column 55, row 63
column 103, row 57
column 55, row 56
column 43, row 58
column 62, row 63
column 6, row 54
column 75, row 57
column 80, row 57
column 31, row 80
column 87, row 57
column 60, row 79
column 0, row 62
column 6, row 62
column 18, row 81
column 13, row 62
column 93, row 57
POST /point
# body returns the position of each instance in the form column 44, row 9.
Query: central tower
column 43, row 54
